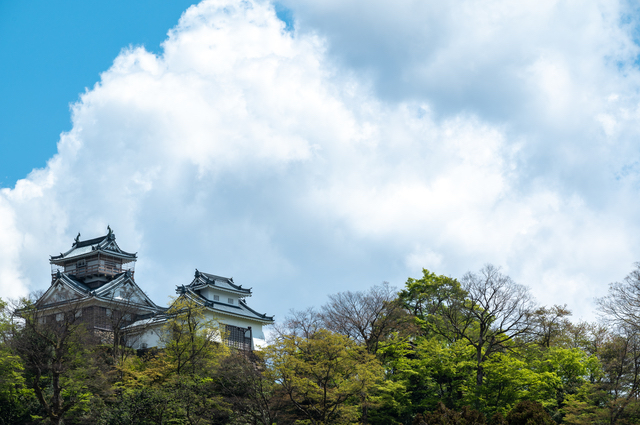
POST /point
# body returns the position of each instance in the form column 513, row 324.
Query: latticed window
column 238, row 337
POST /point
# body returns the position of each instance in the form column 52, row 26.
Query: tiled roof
column 241, row 309
column 104, row 293
column 106, row 244
column 226, row 283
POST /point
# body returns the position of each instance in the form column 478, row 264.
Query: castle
column 95, row 280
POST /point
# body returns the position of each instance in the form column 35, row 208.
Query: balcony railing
column 92, row 270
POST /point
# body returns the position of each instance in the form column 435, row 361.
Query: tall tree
column 425, row 297
column 122, row 312
column 486, row 309
column 191, row 339
column 622, row 304
column 367, row 317
column 16, row 400
column 326, row 376
column 61, row 358
column 550, row 324
column 245, row 384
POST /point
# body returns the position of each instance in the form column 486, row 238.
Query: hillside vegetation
column 474, row 350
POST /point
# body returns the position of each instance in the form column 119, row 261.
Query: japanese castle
column 95, row 279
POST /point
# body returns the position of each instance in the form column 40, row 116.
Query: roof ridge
column 88, row 242
column 229, row 280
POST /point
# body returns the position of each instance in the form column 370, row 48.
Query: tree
column 425, row 297
column 366, row 317
column 243, row 382
column 176, row 384
column 61, row 361
column 549, row 324
column 16, row 400
column 486, row 310
column 612, row 397
column 122, row 312
column 444, row 416
column 529, row 413
column 326, row 376
column 192, row 341
column 622, row 304
column 300, row 323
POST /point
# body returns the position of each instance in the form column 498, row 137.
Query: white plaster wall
column 150, row 337
column 256, row 327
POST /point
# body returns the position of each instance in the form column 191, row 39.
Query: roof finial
column 197, row 274
column 77, row 239
column 109, row 230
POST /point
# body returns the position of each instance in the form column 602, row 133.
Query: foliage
column 192, row 340
column 444, row 416
column 424, row 297
column 63, row 363
column 17, row 402
column 366, row 317
column 441, row 351
column 529, row 413
column 327, row 376
column 244, row 383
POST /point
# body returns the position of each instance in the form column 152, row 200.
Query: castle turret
column 94, row 262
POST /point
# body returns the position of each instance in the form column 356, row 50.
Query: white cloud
column 248, row 151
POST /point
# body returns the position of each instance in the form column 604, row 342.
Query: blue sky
column 311, row 147
column 51, row 52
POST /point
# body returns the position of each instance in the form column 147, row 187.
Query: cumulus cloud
column 351, row 151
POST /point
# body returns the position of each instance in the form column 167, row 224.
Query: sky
column 310, row 147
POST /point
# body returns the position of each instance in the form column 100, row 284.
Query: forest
column 440, row 350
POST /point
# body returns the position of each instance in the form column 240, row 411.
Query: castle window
column 237, row 337
column 108, row 312
column 230, row 300
column 59, row 317
column 216, row 297
column 81, row 263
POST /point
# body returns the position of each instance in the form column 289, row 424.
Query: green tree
column 529, row 413
column 550, row 325
column 443, row 416
column 63, row 363
column 250, row 392
column 486, row 310
column 611, row 397
column 192, row 340
column 426, row 297
column 326, row 376
column 17, row 402
column 176, row 384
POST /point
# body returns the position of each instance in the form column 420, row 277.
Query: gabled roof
column 75, row 287
column 106, row 244
column 106, row 293
column 224, row 309
column 203, row 280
